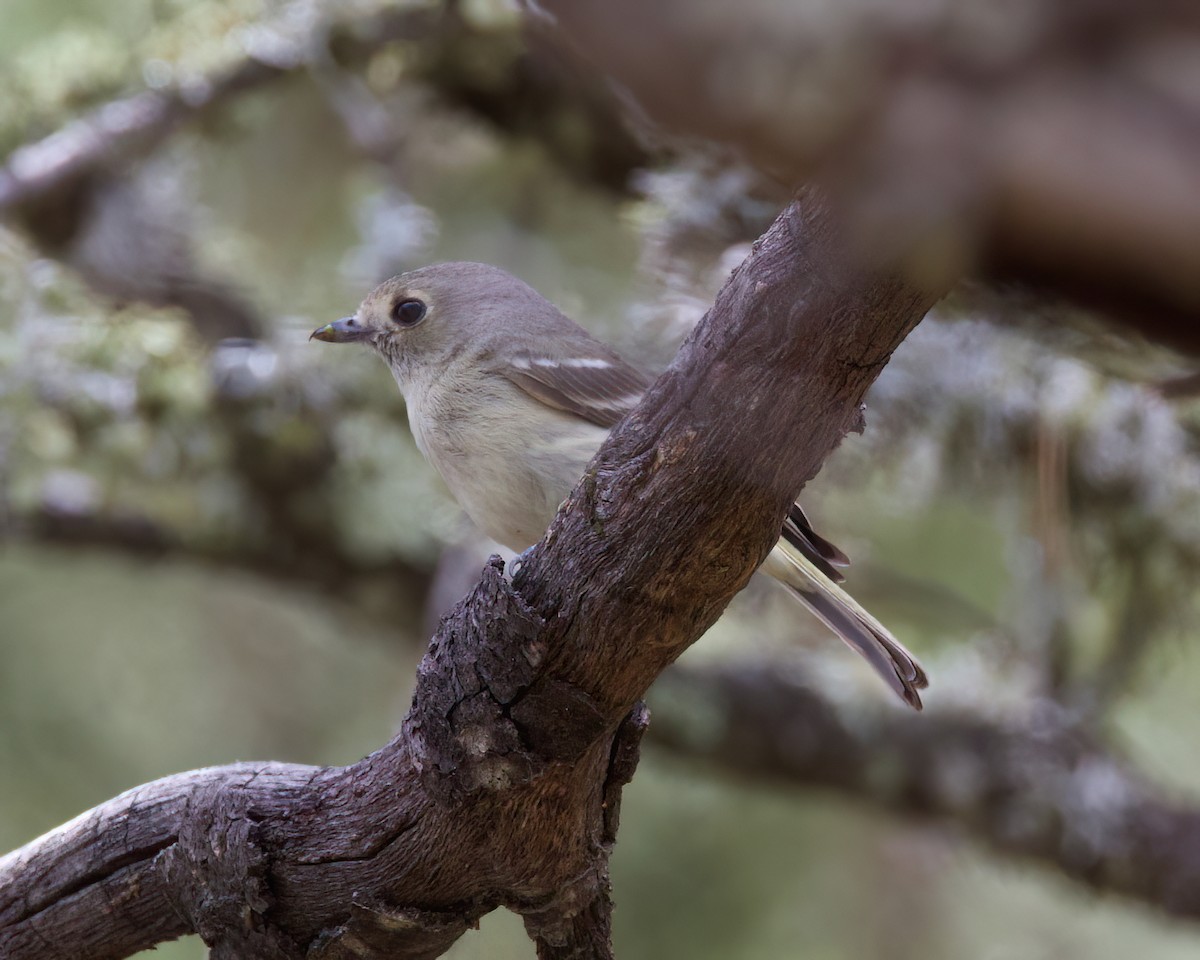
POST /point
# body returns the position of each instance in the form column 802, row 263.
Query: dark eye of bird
column 408, row 313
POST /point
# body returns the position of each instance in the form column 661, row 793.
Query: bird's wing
column 591, row 381
column 594, row 384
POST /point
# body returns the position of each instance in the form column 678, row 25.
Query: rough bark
column 503, row 785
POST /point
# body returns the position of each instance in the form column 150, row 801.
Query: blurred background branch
column 1057, row 146
column 1040, row 789
column 1023, row 506
column 79, row 193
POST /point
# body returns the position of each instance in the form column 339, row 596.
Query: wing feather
column 594, row 384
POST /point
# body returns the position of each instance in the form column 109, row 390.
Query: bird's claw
column 520, row 559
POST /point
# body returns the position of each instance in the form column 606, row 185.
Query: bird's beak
column 346, row 330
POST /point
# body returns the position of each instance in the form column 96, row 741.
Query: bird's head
column 432, row 314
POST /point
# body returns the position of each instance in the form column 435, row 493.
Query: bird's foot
column 520, row 559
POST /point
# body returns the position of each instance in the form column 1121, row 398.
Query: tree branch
column 116, row 132
column 45, row 181
column 321, row 558
column 502, row 786
column 1058, row 148
column 1038, row 789
column 81, row 194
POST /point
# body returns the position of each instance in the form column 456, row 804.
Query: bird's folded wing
column 596, row 385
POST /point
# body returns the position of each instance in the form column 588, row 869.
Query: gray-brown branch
column 1059, row 147
column 45, row 182
column 502, row 787
column 1038, row 789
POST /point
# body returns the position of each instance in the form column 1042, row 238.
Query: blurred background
column 218, row 541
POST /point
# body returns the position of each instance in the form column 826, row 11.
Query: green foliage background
column 116, row 670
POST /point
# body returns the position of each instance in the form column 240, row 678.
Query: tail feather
column 799, row 519
column 822, row 554
column 843, row 615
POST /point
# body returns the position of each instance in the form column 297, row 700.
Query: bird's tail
column 842, row 614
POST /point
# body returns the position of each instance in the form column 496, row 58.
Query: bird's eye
column 408, row 313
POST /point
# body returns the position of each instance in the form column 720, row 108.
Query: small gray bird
column 509, row 399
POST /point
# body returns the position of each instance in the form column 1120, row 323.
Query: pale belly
column 509, row 472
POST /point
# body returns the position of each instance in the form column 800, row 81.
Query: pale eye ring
column 408, row 313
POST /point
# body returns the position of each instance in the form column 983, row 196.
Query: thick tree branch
column 502, row 787
column 1042, row 790
column 72, row 877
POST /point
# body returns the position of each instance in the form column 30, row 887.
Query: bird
column 508, row 399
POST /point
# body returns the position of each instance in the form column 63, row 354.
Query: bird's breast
column 508, row 459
